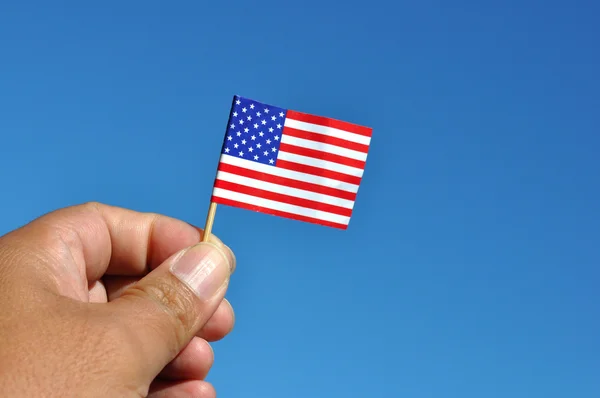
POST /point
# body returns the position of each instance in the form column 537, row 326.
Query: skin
column 89, row 308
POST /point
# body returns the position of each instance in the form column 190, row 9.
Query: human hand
column 99, row 301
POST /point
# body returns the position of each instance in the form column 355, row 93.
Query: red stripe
column 288, row 182
column 325, row 121
column 326, row 139
column 278, row 213
column 313, row 153
column 317, row 171
column 278, row 197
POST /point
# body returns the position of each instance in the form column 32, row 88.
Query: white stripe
column 294, row 175
column 320, row 146
column 282, row 189
column 271, row 204
column 323, row 164
column 330, row 131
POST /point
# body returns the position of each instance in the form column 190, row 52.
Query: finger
column 193, row 363
column 173, row 302
column 97, row 292
column 219, row 325
column 103, row 239
column 182, row 389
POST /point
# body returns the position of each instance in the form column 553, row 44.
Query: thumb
column 164, row 310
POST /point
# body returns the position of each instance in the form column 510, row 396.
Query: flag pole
column 212, row 209
column 210, row 219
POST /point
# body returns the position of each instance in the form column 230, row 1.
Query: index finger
column 103, row 239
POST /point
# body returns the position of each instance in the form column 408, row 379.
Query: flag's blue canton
column 254, row 131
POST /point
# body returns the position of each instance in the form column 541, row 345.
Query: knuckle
column 92, row 205
column 65, row 235
column 152, row 216
column 174, row 307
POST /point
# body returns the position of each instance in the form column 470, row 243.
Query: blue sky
column 470, row 268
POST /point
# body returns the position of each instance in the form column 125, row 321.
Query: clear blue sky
column 471, row 265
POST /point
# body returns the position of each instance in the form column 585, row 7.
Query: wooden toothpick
column 210, row 219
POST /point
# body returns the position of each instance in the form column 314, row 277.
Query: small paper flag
column 291, row 164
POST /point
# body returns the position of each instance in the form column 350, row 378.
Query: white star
column 266, row 110
column 281, row 114
column 271, row 161
column 273, row 117
column 241, row 153
column 229, row 138
column 266, row 153
column 279, row 126
column 270, row 129
column 276, row 138
column 249, row 118
column 253, row 137
column 232, row 126
column 244, row 110
column 226, row 150
column 251, row 149
column 239, row 133
column 255, row 157
column 268, row 142
column 261, row 133
column 235, row 145
column 258, row 114
column 274, row 149
column 246, row 130
column 234, row 114
column 255, row 125
column 244, row 142
column 251, row 106
column 238, row 102
column 258, row 145
column 241, row 121
column 264, row 122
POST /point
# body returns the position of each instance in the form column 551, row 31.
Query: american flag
column 291, row 164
